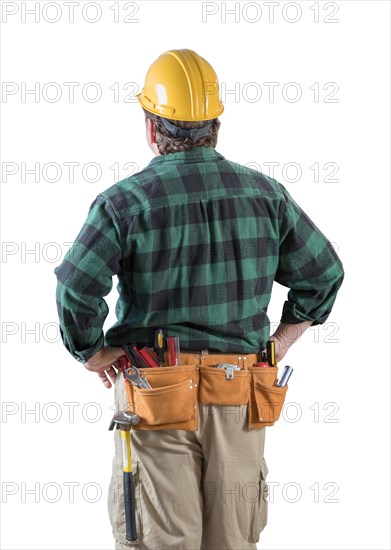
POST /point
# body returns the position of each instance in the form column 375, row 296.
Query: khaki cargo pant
column 193, row 490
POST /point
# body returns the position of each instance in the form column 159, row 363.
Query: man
column 196, row 242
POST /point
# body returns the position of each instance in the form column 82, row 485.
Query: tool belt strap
column 205, row 359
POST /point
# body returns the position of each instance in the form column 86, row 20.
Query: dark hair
column 166, row 143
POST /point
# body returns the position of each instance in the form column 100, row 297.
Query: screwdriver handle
column 270, row 351
column 159, row 345
column 173, row 350
column 149, row 358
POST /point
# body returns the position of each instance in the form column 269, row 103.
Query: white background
column 335, row 427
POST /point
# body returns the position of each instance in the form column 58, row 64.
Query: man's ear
column 151, row 136
column 151, row 130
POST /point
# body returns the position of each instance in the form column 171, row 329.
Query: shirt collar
column 196, row 154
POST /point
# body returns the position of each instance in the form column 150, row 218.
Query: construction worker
column 196, row 242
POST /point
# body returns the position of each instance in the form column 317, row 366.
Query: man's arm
column 310, row 268
column 83, row 279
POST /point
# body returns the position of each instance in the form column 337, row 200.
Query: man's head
column 162, row 142
column 181, row 103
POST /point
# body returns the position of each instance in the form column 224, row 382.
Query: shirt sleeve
column 308, row 266
column 85, row 277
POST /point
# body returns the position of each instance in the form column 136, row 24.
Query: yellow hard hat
column 181, row 85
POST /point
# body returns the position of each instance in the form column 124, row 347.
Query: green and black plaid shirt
column 196, row 242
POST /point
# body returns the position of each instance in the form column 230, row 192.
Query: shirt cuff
column 84, row 355
column 293, row 316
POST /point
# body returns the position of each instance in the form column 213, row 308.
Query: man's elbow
column 340, row 274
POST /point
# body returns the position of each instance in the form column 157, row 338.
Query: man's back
column 197, row 241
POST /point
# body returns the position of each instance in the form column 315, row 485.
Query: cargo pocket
column 266, row 399
column 260, row 510
column 216, row 389
column 170, row 403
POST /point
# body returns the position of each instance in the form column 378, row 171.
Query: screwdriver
column 138, row 357
column 134, row 355
column 149, row 358
column 270, row 351
column 173, row 350
column 159, row 345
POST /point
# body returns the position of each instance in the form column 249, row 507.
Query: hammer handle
column 130, row 507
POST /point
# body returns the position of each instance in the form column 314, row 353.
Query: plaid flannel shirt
column 196, row 242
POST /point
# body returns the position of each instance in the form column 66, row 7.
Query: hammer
column 124, row 420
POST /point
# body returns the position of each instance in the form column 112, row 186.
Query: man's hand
column 103, row 364
column 286, row 335
column 280, row 348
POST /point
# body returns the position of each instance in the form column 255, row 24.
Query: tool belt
column 172, row 401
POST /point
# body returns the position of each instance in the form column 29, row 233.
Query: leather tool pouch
column 171, row 403
column 215, row 389
column 265, row 398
